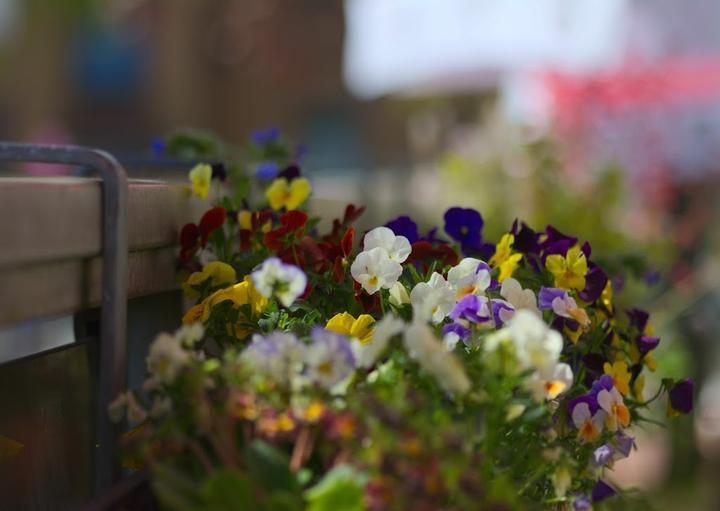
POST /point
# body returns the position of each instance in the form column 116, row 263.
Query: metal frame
column 112, row 370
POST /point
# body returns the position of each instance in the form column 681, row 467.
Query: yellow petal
column 341, row 323
column 555, row 264
column 244, row 218
column 277, row 193
column 193, row 314
column 299, row 191
column 220, row 273
column 362, row 328
column 200, row 177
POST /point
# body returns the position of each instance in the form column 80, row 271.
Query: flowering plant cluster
column 387, row 369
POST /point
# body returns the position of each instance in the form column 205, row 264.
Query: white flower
column 166, row 358
column 434, row 299
column 285, row 281
column 398, row 295
column 397, row 247
column 278, row 355
column 374, row 269
column 188, row 335
column 433, row 356
column 550, row 383
column 329, row 359
column 612, row 403
column 518, row 297
column 566, row 307
column 366, row 354
column 536, row 345
column 589, row 426
column 470, row 276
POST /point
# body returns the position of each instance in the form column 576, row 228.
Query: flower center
column 325, row 367
column 373, row 280
column 464, row 230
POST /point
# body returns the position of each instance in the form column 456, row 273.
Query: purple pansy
column 267, row 170
column 497, row 306
column 582, row 503
column 547, row 295
column 681, row 395
column 624, row 445
column 602, row 491
column 646, row 343
column 556, row 242
column 526, row 240
column 638, row 318
column 465, row 226
column 595, row 281
column 404, row 226
column 456, row 328
column 290, row 172
column 265, row 136
column 472, row 308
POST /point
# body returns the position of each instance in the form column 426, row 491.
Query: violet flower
column 646, row 343
column 595, row 281
column 602, row 491
column 472, row 308
column 267, row 170
column 681, row 395
column 547, row 295
column 404, row 226
column 265, row 136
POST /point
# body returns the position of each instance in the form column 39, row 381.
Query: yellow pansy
column 244, row 218
column 607, row 296
column 217, row 272
column 648, row 359
column 508, row 266
column 569, row 271
column 281, row 194
column 620, row 375
column 346, row 324
column 504, row 258
column 200, row 177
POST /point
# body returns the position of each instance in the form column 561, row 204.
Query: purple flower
column 595, row 282
column 638, row 319
column 464, row 225
column 219, row 171
column 497, row 306
column 265, row 136
column 605, row 382
column 526, row 240
column 404, row 226
column 267, row 170
column 582, row 503
column 472, row 308
column 624, row 445
column 585, row 398
column 646, row 343
column 681, row 395
column 556, row 242
column 603, row 455
column 602, row 491
column 456, row 328
column 547, row 295
column 290, row 172
column 158, row 146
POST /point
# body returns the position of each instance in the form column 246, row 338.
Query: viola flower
column 404, row 226
column 373, row 269
column 549, row 383
column 292, row 228
column 620, row 375
column 454, row 332
column 470, row 276
column 602, row 491
column 555, row 242
column 603, row 455
column 192, row 236
column 433, row 300
column 278, row 355
column 595, row 282
column 465, row 226
column 329, row 358
column 646, row 343
column 267, row 170
column 397, row 247
column 615, row 410
column 471, row 308
column 518, row 297
column 569, row 271
column 286, row 282
column 563, row 305
column 399, row 295
column 589, row 426
column 265, row 136
column 502, row 311
column 289, row 195
column 215, row 273
column 681, row 397
column 166, row 358
column 526, row 240
column 366, row 354
column 504, row 257
column 200, row 176
column 345, row 323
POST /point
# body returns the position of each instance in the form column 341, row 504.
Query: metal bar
column 112, row 369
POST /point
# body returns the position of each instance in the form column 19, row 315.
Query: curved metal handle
column 112, row 373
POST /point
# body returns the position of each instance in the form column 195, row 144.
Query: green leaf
column 340, row 490
column 270, row 467
column 176, row 490
column 229, row 490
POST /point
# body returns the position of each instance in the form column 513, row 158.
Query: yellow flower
column 217, row 272
column 620, row 375
column 508, row 266
column 193, row 314
column 607, row 296
column 244, row 218
column 569, row 271
column 200, row 177
column 503, row 250
column 346, row 324
column 281, row 194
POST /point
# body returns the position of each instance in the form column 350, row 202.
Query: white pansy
column 374, row 269
column 366, row 354
column 518, row 297
column 284, row 281
column 166, row 358
column 399, row 295
column 329, row 358
column 567, row 307
column 188, row 335
column 469, row 276
column 433, row 300
column 278, row 355
column 536, row 345
column 550, row 382
column 433, row 356
column 397, row 247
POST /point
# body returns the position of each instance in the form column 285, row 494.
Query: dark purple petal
column 586, row 249
column 404, row 226
column 526, row 241
column 647, row 343
column 464, row 225
column 638, row 319
column 497, row 306
column 458, row 329
column 556, row 242
column 267, row 170
column 585, row 398
column 602, row 491
column 290, row 172
column 681, row 395
column 547, row 295
column 605, row 382
column 595, row 282
column 603, row 455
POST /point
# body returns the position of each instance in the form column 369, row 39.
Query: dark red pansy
column 346, row 243
column 213, row 219
column 189, row 240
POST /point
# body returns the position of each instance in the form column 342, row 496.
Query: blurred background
column 601, row 117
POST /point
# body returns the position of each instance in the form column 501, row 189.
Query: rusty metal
column 112, row 370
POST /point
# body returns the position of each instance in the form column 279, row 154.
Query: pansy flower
column 289, row 195
column 589, row 425
column 192, row 236
column 469, row 276
column 346, row 324
column 504, row 258
column 434, row 299
column 292, row 228
column 569, row 270
column 285, row 282
column 555, row 242
column 518, row 297
column 595, row 282
column 454, row 332
column 464, row 225
column 215, row 274
column 616, row 413
column 618, row 370
column 397, row 247
column 562, row 304
column 404, row 226
column 373, row 269
column 602, row 491
column 329, row 358
column 472, row 308
column 200, row 176
column 681, row 397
